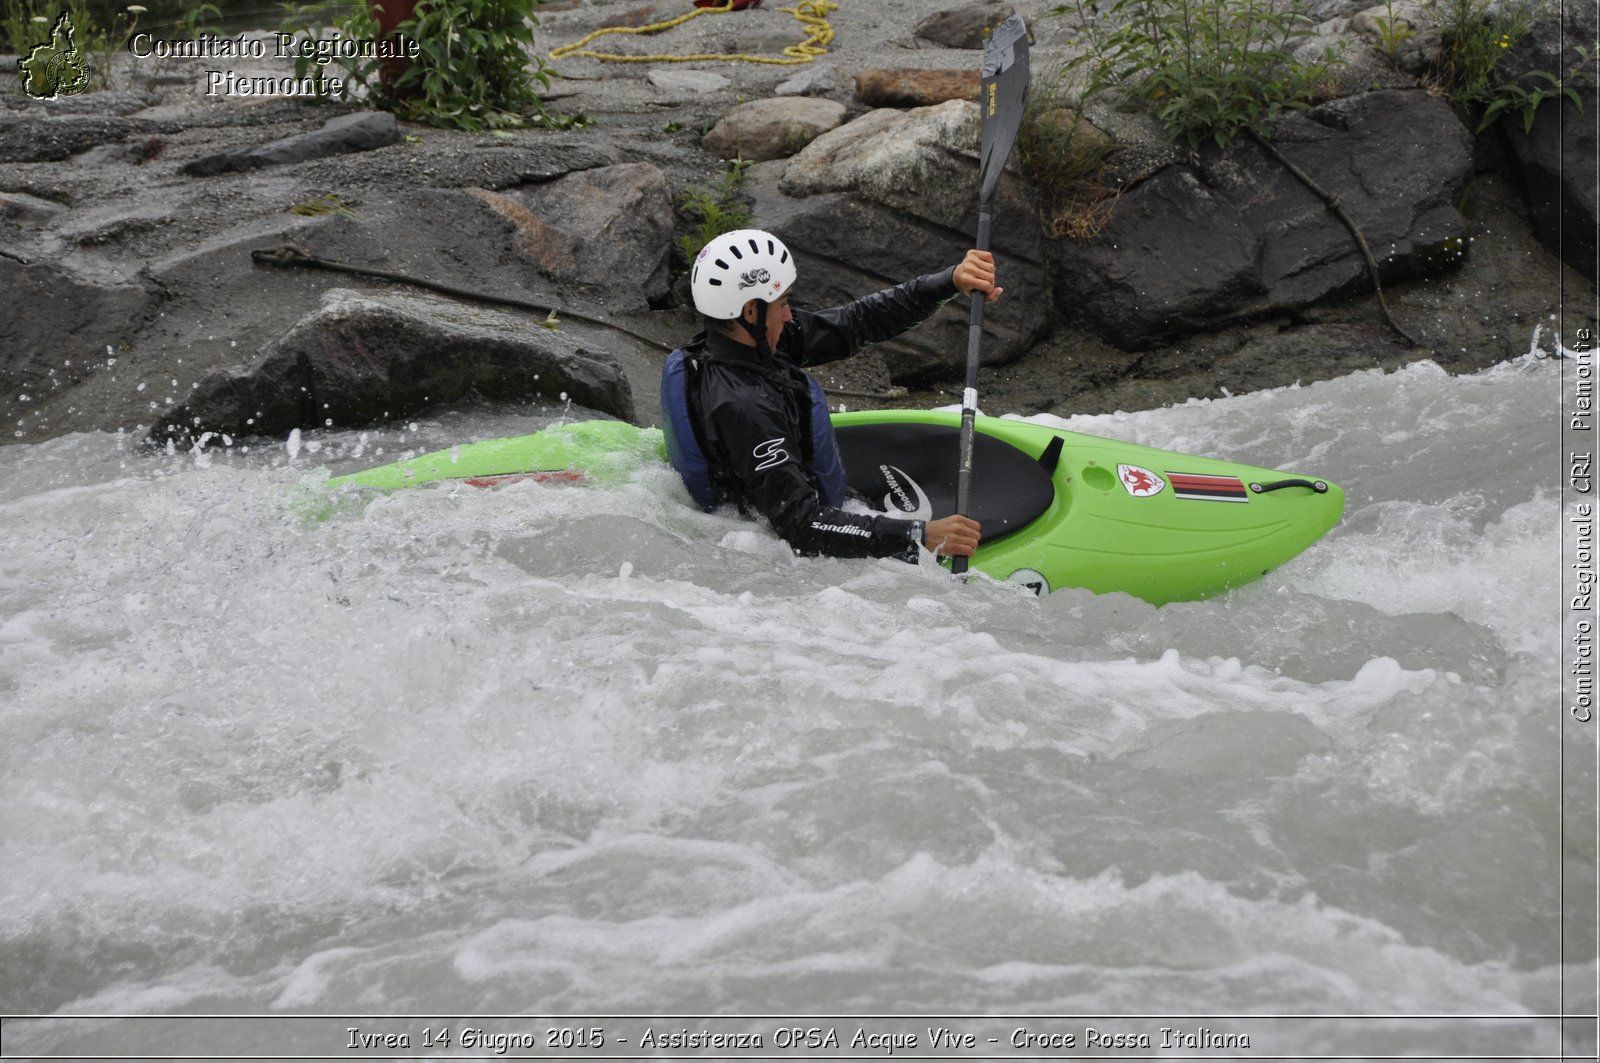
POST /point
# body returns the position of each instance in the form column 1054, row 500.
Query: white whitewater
column 575, row 751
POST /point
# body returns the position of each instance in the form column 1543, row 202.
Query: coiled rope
column 813, row 14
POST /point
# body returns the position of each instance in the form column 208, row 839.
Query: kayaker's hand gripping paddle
column 1004, row 92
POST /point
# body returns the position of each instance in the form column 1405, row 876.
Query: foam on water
column 563, row 749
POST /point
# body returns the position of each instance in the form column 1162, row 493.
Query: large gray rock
column 1408, row 26
column 167, row 278
column 818, row 79
column 362, row 359
column 1359, row 61
column 360, row 131
column 1195, row 248
column 923, row 162
column 1558, row 157
column 1270, row 358
column 915, row 87
column 1557, row 162
column 24, row 208
column 687, row 82
column 31, row 137
column 773, row 128
column 605, row 233
column 59, row 326
column 1325, row 10
column 967, row 26
column 895, row 194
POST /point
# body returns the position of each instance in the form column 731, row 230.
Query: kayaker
column 744, row 423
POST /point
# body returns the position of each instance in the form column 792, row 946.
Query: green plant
column 1208, row 69
column 1063, row 156
column 1516, row 96
column 1475, row 40
column 1477, row 37
column 475, row 67
column 188, row 23
column 18, row 28
column 305, row 22
column 331, row 203
column 715, row 210
column 27, row 23
column 1393, row 33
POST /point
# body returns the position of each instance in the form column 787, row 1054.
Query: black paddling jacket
column 752, row 420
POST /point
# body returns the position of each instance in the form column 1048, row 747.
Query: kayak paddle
column 1004, row 91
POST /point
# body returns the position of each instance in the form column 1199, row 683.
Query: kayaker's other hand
column 951, row 536
column 975, row 273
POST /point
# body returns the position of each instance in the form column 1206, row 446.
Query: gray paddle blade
column 1005, row 91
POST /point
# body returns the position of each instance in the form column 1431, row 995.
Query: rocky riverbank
column 139, row 221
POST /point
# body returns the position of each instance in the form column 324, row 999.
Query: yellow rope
column 813, row 14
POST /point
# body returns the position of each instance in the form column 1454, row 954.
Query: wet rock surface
column 362, row 131
column 860, row 204
column 774, row 128
column 362, row 358
column 1238, row 236
column 966, row 26
column 1558, row 156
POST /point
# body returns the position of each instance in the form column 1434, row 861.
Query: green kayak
column 1058, row 508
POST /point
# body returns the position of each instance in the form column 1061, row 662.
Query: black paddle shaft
column 1005, row 91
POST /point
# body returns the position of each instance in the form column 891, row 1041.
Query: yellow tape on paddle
column 813, row 14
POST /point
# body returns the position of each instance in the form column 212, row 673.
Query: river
column 588, row 751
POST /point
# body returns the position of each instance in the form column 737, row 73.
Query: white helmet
column 739, row 266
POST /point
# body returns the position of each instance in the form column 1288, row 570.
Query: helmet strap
column 758, row 331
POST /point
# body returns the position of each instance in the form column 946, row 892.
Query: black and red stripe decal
column 569, row 476
column 1208, row 488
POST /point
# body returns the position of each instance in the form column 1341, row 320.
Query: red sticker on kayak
column 1208, row 488
column 1140, row 483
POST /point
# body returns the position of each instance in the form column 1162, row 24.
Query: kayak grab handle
column 1319, row 486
